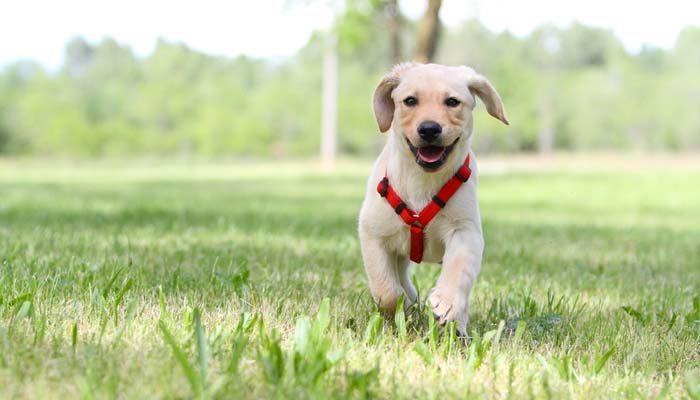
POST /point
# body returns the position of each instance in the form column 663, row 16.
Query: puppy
column 429, row 107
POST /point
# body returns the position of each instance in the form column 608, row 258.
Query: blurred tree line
column 564, row 89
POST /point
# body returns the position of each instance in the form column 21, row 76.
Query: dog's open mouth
column 431, row 157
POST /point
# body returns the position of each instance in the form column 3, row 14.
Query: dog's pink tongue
column 430, row 153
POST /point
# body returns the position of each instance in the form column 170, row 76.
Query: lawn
column 181, row 280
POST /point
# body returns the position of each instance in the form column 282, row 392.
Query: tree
column 393, row 15
column 79, row 55
column 428, row 32
column 569, row 88
column 329, row 113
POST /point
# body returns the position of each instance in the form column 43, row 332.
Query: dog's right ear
column 382, row 103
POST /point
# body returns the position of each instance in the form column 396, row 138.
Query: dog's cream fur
column 454, row 237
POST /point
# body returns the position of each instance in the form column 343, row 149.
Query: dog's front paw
column 448, row 307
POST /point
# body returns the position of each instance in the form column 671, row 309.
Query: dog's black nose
column 429, row 130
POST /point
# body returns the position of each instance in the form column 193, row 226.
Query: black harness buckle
column 384, row 187
column 399, row 209
column 438, row 201
column 461, row 177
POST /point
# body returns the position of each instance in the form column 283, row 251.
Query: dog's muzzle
column 431, row 157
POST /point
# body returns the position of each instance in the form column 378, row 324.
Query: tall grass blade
column 23, row 311
column 601, row 361
column 108, row 288
column 400, row 318
column 424, row 352
column 201, row 347
column 374, row 329
column 161, row 302
column 181, row 358
column 74, row 336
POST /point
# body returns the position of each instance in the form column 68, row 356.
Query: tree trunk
column 547, row 116
column 545, row 143
column 393, row 14
column 428, row 32
column 329, row 111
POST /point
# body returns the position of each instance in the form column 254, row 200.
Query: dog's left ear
column 481, row 87
column 382, row 103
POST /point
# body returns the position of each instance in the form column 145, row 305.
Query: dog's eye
column 410, row 101
column 452, row 102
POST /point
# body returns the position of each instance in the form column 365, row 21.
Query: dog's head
column 431, row 105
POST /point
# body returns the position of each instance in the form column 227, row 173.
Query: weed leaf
column 601, row 361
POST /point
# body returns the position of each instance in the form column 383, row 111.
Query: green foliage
column 480, row 347
column 270, row 356
column 312, row 356
column 601, row 361
column 577, row 85
column 363, row 384
column 241, row 339
column 194, row 380
column 400, row 318
column 424, row 352
column 374, row 329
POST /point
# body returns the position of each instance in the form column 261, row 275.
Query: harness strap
column 418, row 221
column 385, row 190
column 416, row 244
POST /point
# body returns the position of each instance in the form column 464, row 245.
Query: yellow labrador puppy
column 421, row 203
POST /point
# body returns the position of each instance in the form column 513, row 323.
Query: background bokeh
column 573, row 87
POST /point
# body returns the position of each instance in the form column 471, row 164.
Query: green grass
column 209, row 281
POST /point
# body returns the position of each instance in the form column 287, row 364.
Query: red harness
column 418, row 221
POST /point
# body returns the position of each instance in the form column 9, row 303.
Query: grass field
column 182, row 281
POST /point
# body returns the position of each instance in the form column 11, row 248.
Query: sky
column 39, row 30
